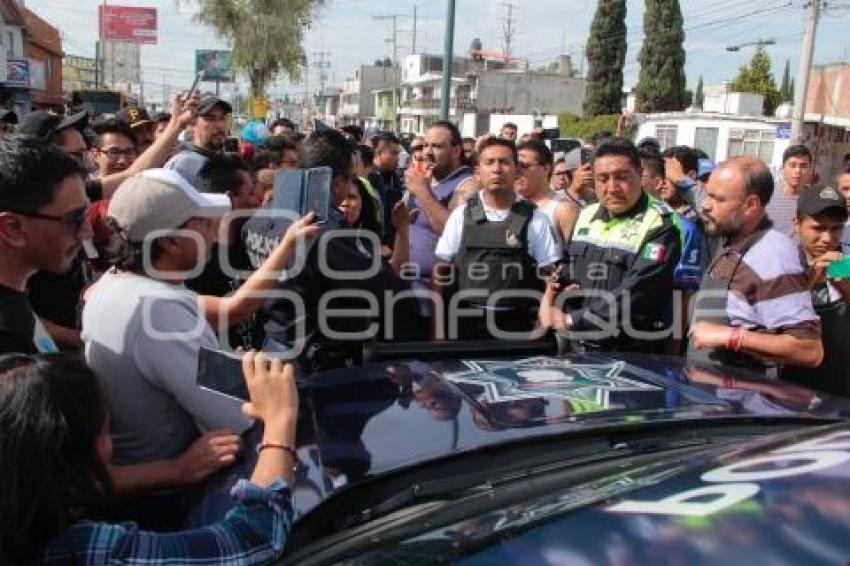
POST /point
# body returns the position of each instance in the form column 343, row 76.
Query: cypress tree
column 785, row 88
column 661, row 84
column 699, row 95
column 757, row 77
column 606, row 55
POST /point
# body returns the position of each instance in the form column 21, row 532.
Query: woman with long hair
column 54, row 446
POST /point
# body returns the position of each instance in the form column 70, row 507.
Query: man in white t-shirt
column 143, row 329
column 498, row 245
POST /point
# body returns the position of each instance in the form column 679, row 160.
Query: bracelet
column 735, row 339
column 288, row 449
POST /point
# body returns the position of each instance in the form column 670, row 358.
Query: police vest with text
column 604, row 248
column 494, row 256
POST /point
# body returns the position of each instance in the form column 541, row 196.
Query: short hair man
column 796, row 175
column 232, row 176
column 282, row 127
column 819, row 225
column 535, row 171
column 468, row 148
column 385, row 179
column 115, row 148
column 42, row 228
column 623, row 251
column 278, row 152
column 753, row 309
column 209, row 132
column 355, row 132
column 446, row 183
column 681, row 165
column 580, row 190
column 140, row 122
column 842, row 185
column 508, row 131
column 497, row 231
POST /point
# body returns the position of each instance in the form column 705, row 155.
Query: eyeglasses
column 73, row 220
column 415, row 148
column 560, row 173
column 114, row 154
column 523, row 166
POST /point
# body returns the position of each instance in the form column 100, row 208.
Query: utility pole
column 394, row 38
column 413, row 47
column 322, row 65
column 812, row 12
column 508, row 30
column 448, row 60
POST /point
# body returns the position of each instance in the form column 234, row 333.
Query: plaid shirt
column 254, row 531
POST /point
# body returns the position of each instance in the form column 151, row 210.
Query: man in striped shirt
column 754, row 309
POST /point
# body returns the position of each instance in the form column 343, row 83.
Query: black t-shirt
column 17, row 322
column 56, row 297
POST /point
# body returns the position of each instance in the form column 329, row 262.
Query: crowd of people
column 131, row 243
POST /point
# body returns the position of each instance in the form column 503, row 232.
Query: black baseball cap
column 8, row 116
column 45, row 123
column 161, row 117
column 812, row 201
column 134, row 116
column 210, row 102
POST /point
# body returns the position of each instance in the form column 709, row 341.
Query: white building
column 483, row 86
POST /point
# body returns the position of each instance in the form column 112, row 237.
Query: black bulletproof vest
column 500, row 246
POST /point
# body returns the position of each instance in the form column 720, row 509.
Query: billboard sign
column 215, row 65
column 121, row 62
column 126, row 23
column 18, row 73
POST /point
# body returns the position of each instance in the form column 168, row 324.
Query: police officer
column 497, row 243
column 620, row 262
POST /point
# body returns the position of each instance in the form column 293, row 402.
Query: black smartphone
column 586, row 156
column 194, row 86
column 550, row 133
column 287, row 190
column 317, row 192
column 221, row 372
column 231, row 145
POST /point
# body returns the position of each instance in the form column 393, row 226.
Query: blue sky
column 545, row 28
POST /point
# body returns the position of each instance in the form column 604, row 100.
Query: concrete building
column 484, row 86
column 828, row 93
column 14, row 64
column 357, row 102
column 44, row 51
column 79, row 73
column 725, row 135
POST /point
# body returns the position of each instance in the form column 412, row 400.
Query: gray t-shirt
column 142, row 337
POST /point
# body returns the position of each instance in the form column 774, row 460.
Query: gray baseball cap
column 161, row 200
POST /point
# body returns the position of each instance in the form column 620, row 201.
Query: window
column 666, row 134
column 49, row 67
column 758, row 143
column 10, row 44
column 706, row 140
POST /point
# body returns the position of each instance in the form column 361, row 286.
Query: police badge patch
column 511, row 238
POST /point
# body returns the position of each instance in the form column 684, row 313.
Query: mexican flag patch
column 655, row 252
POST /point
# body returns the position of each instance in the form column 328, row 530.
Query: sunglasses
column 73, row 220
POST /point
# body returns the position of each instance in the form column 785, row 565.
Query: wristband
column 288, row 449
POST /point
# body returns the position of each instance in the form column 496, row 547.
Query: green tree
column 785, row 87
column 265, row 35
column 606, row 54
column 793, row 88
column 661, row 84
column 699, row 95
column 757, row 77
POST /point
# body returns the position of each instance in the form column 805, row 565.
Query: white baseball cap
column 161, row 199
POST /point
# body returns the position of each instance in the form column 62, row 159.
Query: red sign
column 125, row 23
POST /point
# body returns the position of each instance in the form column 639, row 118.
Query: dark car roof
column 362, row 423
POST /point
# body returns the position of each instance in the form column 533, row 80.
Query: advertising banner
column 215, row 65
column 18, row 73
column 126, row 23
